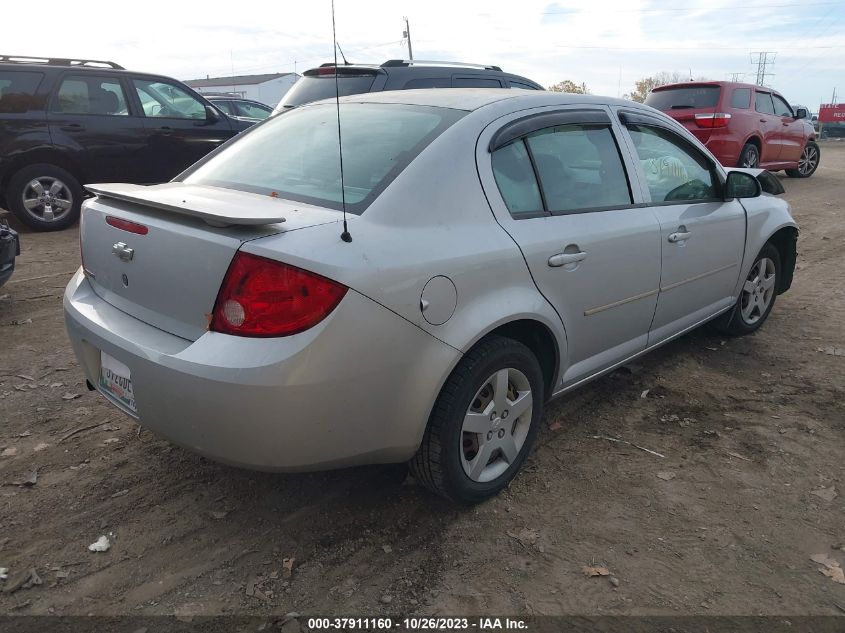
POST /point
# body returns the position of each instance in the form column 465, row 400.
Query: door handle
column 72, row 127
column 762, row 120
column 166, row 129
column 562, row 259
column 679, row 236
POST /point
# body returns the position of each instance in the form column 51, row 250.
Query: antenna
column 345, row 236
column 346, row 63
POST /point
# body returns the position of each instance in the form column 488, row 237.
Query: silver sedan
column 483, row 252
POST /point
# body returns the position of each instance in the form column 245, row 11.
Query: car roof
column 470, row 99
column 721, row 84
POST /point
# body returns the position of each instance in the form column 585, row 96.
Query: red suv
column 743, row 125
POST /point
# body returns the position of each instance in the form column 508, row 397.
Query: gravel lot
column 751, row 485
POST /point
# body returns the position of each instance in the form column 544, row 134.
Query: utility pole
column 764, row 58
column 407, row 35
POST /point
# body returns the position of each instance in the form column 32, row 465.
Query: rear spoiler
column 770, row 183
column 173, row 197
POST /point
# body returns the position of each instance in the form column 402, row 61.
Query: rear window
column 295, row 154
column 17, row 91
column 684, row 98
column 741, row 98
column 315, row 88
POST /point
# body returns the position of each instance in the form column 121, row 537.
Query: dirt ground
column 751, row 485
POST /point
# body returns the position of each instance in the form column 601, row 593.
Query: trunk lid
column 167, row 268
column 683, row 102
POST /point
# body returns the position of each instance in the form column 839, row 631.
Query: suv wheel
column 808, row 163
column 45, row 197
column 483, row 422
column 749, row 157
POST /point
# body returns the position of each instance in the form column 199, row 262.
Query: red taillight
column 126, row 225
column 262, row 297
column 328, row 70
column 719, row 119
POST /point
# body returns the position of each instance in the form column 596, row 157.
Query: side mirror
column 801, row 113
column 211, row 114
column 741, row 185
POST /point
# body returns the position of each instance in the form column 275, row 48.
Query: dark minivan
column 65, row 123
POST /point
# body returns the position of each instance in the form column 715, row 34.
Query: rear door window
column 560, row 170
column 516, row 180
column 17, row 91
column 226, row 106
column 763, row 103
column 428, row 82
column 685, row 97
column 87, row 94
column 252, row 110
column 475, row 82
column 741, row 98
column 579, row 167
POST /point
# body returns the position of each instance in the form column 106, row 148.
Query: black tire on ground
column 749, row 156
column 71, row 190
column 810, row 158
column 732, row 323
column 437, row 464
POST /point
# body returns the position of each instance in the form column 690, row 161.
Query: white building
column 268, row 88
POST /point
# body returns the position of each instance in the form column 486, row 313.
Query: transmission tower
column 736, row 77
column 763, row 59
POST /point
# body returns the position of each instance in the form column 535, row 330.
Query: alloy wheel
column 47, row 198
column 808, row 161
column 758, row 291
column 496, row 425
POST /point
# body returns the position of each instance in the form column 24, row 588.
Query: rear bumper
column 9, row 249
column 357, row 388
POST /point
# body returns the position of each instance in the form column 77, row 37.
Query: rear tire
column 756, row 297
column 483, row 423
column 808, row 163
column 45, row 197
column 749, row 157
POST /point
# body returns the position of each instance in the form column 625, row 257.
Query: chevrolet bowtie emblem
column 122, row 251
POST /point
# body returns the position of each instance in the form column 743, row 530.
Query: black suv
column 396, row 74
column 65, row 123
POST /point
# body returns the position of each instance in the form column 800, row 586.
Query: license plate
column 116, row 380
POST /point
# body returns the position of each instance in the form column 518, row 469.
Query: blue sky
column 608, row 44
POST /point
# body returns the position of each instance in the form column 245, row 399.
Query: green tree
column 567, row 85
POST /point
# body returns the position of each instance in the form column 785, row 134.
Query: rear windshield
column 17, row 91
column 684, row 98
column 309, row 89
column 295, row 155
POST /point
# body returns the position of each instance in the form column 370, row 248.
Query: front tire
column 749, row 157
column 45, row 197
column 483, row 423
column 757, row 295
column 808, row 163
